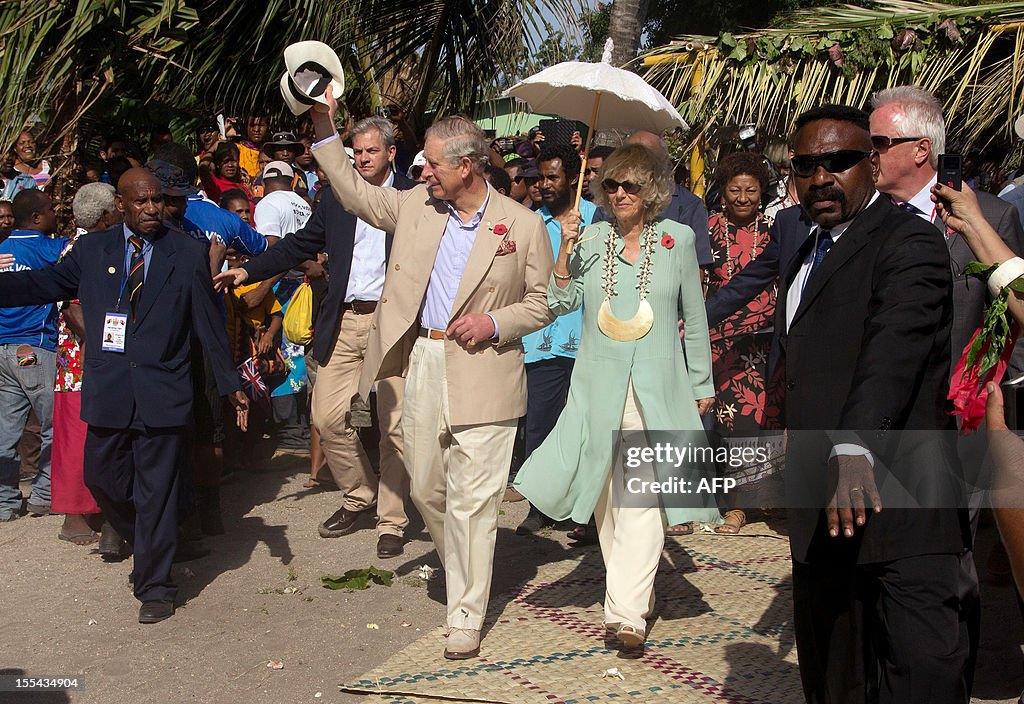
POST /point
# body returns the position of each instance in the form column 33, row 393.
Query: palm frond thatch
column 969, row 56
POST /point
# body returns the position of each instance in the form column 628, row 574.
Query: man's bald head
column 649, row 140
column 140, row 199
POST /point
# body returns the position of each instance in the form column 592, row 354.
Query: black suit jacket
column 787, row 234
column 332, row 229
column 867, row 355
column 153, row 375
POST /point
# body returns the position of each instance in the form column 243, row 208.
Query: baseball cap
column 172, row 178
column 278, row 169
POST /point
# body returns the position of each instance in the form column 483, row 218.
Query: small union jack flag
column 252, row 382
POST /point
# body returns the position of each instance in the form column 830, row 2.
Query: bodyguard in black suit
column 864, row 320
column 138, row 401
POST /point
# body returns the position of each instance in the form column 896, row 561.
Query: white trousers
column 458, row 476
column 632, row 540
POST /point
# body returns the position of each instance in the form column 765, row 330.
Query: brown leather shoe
column 390, row 546
column 342, row 522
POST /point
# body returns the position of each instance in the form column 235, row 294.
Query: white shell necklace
column 642, row 322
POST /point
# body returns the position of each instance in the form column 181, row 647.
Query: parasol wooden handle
column 586, row 155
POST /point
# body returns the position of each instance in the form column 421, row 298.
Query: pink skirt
column 68, row 491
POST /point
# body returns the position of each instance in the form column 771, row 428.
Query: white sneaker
column 463, row 643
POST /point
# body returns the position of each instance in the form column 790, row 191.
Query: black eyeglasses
column 611, row 186
column 881, row 142
column 804, row 165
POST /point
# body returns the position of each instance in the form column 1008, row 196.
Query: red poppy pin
column 667, row 242
column 500, row 229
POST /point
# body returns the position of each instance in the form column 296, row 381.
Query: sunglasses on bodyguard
column 611, row 186
column 804, row 165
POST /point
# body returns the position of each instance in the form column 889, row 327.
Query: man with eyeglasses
column 864, row 317
column 909, row 132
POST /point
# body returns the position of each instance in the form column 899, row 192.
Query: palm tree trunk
column 428, row 65
column 625, row 25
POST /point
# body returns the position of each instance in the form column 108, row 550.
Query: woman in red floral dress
column 740, row 343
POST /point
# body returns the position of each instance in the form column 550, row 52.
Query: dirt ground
column 257, row 598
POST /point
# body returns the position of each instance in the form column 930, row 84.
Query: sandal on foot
column 630, row 636
column 734, row 522
column 583, row 535
column 680, row 529
column 83, row 538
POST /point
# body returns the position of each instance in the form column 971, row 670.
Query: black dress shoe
column 155, row 611
column 533, row 523
column 342, row 522
column 112, row 547
column 189, row 550
column 390, row 546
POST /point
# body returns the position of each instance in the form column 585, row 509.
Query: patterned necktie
column 820, row 250
column 136, row 273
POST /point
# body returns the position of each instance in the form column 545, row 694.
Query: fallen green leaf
column 358, row 579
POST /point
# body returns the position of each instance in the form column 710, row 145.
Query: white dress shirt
column 366, row 278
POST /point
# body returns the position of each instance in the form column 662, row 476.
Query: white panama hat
column 311, row 67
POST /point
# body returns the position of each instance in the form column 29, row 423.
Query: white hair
column 91, row 203
column 462, row 138
column 922, row 116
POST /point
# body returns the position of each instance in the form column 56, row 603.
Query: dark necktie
column 136, row 273
column 820, row 250
column 908, row 207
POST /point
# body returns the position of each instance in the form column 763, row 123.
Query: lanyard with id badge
column 115, row 324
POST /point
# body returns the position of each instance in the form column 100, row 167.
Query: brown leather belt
column 431, row 333
column 360, row 307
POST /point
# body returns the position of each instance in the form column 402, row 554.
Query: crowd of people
column 511, row 342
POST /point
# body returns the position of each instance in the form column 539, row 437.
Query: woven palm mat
column 722, row 632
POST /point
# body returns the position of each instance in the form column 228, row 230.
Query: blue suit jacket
column 787, row 233
column 152, row 377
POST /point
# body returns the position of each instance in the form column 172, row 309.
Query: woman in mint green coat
column 634, row 278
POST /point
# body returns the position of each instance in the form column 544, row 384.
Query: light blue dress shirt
column 562, row 337
column 450, row 262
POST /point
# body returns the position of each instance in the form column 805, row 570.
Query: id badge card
column 114, row 327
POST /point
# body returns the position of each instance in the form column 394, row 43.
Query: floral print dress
column 740, row 344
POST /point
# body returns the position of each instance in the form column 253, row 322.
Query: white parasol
column 614, row 97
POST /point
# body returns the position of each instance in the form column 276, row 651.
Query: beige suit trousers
column 458, row 478
column 632, row 540
column 337, row 382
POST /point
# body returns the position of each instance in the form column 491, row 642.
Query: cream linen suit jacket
column 488, row 384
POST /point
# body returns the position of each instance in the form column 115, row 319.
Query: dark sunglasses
column 804, row 165
column 882, row 142
column 518, row 179
column 611, row 186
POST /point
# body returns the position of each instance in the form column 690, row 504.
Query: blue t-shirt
column 562, row 337
column 215, row 221
column 31, row 325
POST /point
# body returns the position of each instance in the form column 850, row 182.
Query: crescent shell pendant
column 625, row 330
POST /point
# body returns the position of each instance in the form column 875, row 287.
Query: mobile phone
column 507, row 146
column 557, row 131
column 951, row 171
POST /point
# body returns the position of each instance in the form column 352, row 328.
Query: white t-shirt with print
column 281, row 213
